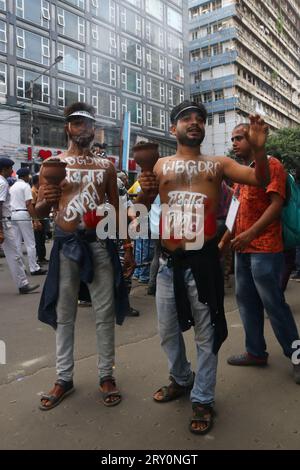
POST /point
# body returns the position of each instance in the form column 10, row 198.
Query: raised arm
column 256, row 136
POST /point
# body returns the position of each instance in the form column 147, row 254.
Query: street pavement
column 256, row 408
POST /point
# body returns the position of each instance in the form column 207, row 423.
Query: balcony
column 211, row 39
column 227, row 57
column 227, row 104
column 216, row 15
column 227, row 81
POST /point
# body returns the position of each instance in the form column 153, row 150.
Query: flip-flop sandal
column 202, row 414
column 172, row 391
column 107, row 395
column 68, row 388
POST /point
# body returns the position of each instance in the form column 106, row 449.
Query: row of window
column 210, row 51
column 104, row 101
column 35, row 47
column 205, row 8
column 39, row 12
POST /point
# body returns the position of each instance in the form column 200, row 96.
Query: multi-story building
column 244, row 58
column 118, row 55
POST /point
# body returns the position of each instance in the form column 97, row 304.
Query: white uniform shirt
column 5, row 197
column 20, row 192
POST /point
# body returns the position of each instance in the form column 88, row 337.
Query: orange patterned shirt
column 253, row 203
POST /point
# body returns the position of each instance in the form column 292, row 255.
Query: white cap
column 84, row 114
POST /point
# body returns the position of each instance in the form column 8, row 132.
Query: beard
column 83, row 141
column 183, row 139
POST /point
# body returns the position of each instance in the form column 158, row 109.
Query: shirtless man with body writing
column 190, row 282
column 78, row 255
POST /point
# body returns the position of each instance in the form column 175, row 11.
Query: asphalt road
column 256, row 408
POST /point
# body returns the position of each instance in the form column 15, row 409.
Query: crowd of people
column 185, row 273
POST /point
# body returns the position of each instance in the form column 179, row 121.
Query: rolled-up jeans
column 172, row 340
column 102, row 296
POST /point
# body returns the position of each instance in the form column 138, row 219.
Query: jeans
column 257, row 288
column 143, row 254
column 102, row 296
column 172, row 340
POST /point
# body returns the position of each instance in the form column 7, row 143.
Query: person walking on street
column 23, row 216
column 7, row 232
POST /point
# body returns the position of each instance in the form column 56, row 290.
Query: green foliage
column 286, row 141
column 279, row 24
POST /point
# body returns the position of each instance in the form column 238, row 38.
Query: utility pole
column 32, row 82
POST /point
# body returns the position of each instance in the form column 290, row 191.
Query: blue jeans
column 172, row 340
column 143, row 254
column 257, row 288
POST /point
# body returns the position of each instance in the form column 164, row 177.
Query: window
column 155, row 61
column 32, row 47
column 154, row 34
column 77, row 3
column 73, row 60
column 104, row 71
column 51, row 131
column 2, row 4
column 68, row 93
column 104, row 9
column 131, row 51
column 155, row 8
column 135, row 3
column 219, row 95
column 210, row 119
column 175, row 71
column 131, row 80
column 70, row 25
column 175, row 45
column 36, row 11
column 130, row 22
column 156, row 117
column 207, row 97
column 3, row 37
column 217, row 49
column 155, row 89
column 3, row 79
column 174, row 19
column 197, row 76
column 222, row 117
column 135, row 108
column 103, row 39
column 41, row 91
column 105, row 103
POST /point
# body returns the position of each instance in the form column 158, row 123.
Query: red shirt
column 253, row 203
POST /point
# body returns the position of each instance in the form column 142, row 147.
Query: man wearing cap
column 7, row 231
column 78, row 255
column 23, row 216
column 190, row 290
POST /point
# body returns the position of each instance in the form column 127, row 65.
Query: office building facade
column 244, row 58
column 118, row 55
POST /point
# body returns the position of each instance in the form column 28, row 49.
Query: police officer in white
column 22, row 214
column 7, row 231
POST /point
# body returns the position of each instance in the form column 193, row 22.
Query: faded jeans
column 257, row 288
column 102, row 296
column 172, row 340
